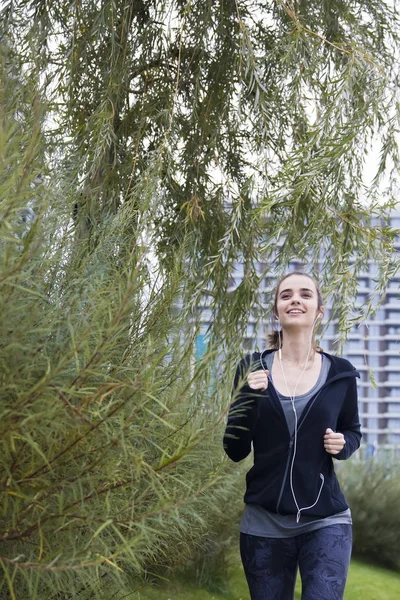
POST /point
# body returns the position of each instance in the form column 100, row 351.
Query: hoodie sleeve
column 242, row 414
column 349, row 423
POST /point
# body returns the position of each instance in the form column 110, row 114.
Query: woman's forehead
column 297, row 282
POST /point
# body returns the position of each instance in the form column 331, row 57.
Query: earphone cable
column 292, row 397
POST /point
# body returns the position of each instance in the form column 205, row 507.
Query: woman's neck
column 296, row 349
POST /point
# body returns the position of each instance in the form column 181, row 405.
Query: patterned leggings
column 323, row 556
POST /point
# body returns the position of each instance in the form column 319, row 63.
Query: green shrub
column 111, row 459
column 212, row 560
column 372, row 489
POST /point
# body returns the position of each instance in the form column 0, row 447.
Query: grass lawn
column 365, row 582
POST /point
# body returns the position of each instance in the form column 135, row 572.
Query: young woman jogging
column 297, row 407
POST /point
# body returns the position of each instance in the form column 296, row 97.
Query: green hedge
column 372, row 489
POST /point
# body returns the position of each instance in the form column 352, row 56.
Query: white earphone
column 292, row 397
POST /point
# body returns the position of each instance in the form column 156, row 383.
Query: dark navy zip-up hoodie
column 257, row 418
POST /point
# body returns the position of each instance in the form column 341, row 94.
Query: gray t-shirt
column 256, row 520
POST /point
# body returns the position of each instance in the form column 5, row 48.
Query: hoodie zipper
column 289, row 456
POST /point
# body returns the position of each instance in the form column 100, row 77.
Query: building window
column 393, row 361
column 393, row 345
column 374, row 345
column 200, row 346
column 355, row 345
column 393, row 315
column 357, row 359
column 391, row 376
column 363, row 282
column 394, row 284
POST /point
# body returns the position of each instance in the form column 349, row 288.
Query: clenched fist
column 258, row 380
column 333, row 442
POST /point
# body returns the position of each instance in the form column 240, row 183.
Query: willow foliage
column 145, row 149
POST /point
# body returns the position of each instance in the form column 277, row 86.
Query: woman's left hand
column 333, row 442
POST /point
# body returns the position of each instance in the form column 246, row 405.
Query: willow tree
column 158, row 144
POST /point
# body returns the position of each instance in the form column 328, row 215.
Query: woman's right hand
column 258, row 380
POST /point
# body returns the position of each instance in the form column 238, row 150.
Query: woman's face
column 297, row 302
